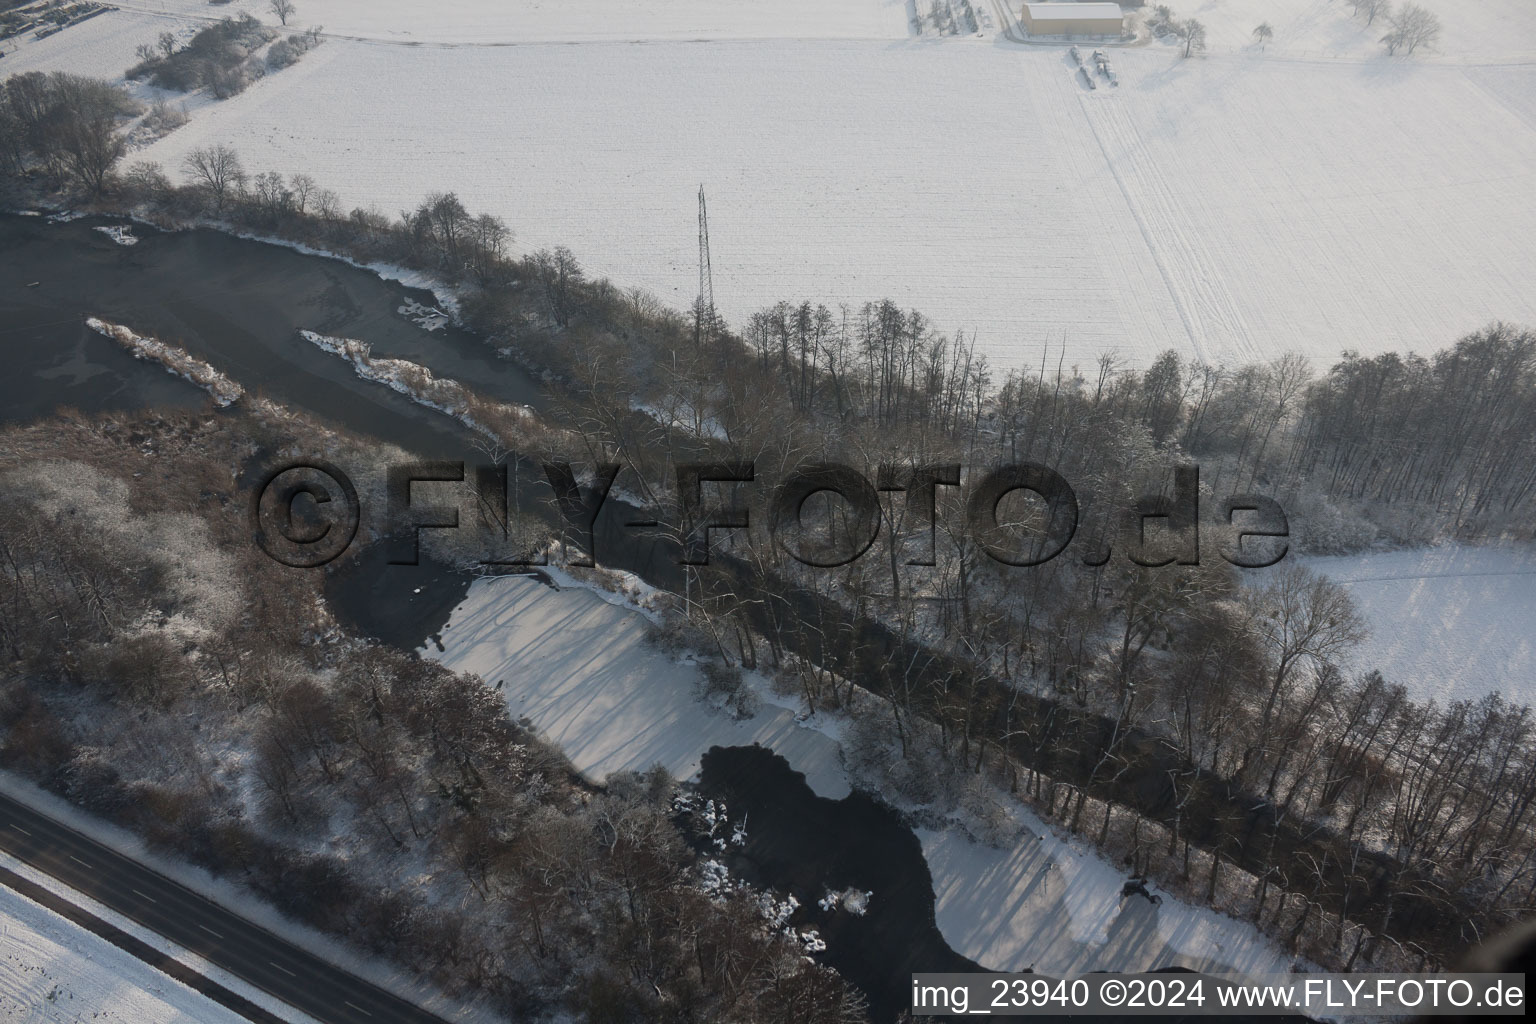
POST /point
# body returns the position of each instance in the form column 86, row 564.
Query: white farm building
column 1070, row 19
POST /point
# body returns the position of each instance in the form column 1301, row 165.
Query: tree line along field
column 1501, row 30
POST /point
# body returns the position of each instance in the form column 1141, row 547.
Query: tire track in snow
column 1346, row 581
column 1526, row 114
column 1211, row 317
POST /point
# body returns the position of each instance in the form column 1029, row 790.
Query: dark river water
column 800, row 843
column 236, row 303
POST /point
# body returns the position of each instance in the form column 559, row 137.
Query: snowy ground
column 53, row 970
column 1054, row 906
column 580, row 669
column 1448, row 623
column 507, row 22
column 1231, row 207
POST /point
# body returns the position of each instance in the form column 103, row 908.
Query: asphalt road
column 247, row 951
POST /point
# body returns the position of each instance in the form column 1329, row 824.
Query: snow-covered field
column 102, row 47
column 1449, row 623
column 580, row 669
column 53, row 970
column 507, row 22
column 1230, row 207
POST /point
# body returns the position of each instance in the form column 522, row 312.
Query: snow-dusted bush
column 1160, row 21
column 666, row 636
column 178, row 361
column 217, row 57
column 493, row 420
column 163, row 118
column 724, row 686
column 287, row 51
column 855, row 901
column 921, row 777
column 1321, row 527
column 146, row 181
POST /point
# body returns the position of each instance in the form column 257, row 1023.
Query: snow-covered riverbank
column 581, row 670
column 223, row 388
column 1053, row 905
column 576, row 663
column 420, row 385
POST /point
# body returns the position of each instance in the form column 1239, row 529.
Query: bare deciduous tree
column 147, row 180
column 561, row 275
column 282, row 10
column 273, row 195
column 1302, row 617
column 217, row 169
column 1372, row 9
column 328, row 205
column 82, row 128
column 1263, row 33
column 1193, row 34
column 304, row 189
column 489, row 238
column 1412, row 27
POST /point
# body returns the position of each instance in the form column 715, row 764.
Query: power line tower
column 704, row 313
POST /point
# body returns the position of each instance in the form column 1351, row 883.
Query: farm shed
column 1069, row 19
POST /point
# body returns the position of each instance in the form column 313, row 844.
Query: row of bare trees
column 1410, row 26
column 1453, row 432
column 440, row 234
column 1444, row 440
